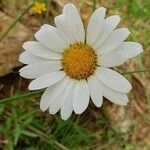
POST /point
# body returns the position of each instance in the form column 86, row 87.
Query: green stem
column 47, row 10
column 15, row 22
column 136, row 71
column 18, row 97
column 94, row 5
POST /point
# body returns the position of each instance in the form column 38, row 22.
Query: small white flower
column 74, row 68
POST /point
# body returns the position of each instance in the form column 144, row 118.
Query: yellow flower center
column 79, row 61
column 39, row 7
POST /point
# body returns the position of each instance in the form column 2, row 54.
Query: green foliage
column 138, row 8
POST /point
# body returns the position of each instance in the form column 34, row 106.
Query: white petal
column 74, row 22
column 81, row 96
column 27, row 58
column 36, row 70
column 132, row 49
column 66, row 105
column 95, row 24
column 109, row 25
column 112, row 59
column 95, row 91
column 55, row 106
column 51, row 93
column 50, row 37
column 46, row 80
column 114, row 40
column 113, row 80
column 118, row 56
column 61, row 24
column 113, row 96
column 39, row 50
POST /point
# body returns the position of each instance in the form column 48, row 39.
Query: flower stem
column 15, row 22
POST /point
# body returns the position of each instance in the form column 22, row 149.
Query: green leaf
column 28, row 133
column 18, row 97
column 17, row 134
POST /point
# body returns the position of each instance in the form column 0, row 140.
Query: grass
column 23, row 125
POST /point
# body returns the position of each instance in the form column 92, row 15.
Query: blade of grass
column 44, row 137
column 36, row 132
column 18, row 97
column 136, row 71
column 15, row 22
column 94, row 5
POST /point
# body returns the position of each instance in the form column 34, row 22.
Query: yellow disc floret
column 79, row 61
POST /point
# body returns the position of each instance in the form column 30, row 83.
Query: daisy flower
column 39, row 7
column 74, row 65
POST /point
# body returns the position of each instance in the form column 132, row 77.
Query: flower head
column 75, row 66
column 39, row 7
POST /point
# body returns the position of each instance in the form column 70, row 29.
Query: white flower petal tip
column 65, row 119
column 110, row 23
column 66, row 105
column 95, row 91
column 113, row 80
column 28, row 58
column 51, row 93
column 69, row 6
column 125, row 51
column 50, row 37
column 132, row 49
column 81, row 97
column 46, row 80
column 44, row 26
column 43, row 108
column 55, row 106
column 114, row 40
column 113, row 96
column 39, row 50
column 74, row 22
column 113, row 21
column 36, row 70
column 95, row 24
column 60, row 22
column 115, row 18
column 139, row 49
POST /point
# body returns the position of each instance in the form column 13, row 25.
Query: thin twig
column 15, row 22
